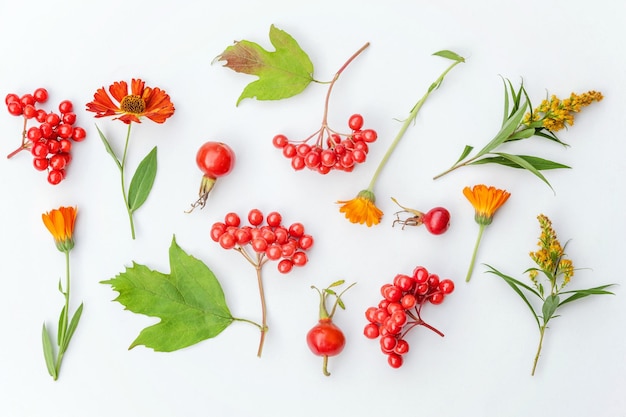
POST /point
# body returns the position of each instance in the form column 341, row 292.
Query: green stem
column 122, row 167
column 263, row 326
column 254, row 323
column 471, row 267
column 542, row 330
column 64, row 322
column 405, row 125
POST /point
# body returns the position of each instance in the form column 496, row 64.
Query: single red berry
column 305, row 242
column 258, row 244
column 255, row 217
column 217, row 230
column 39, row 149
column 55, row 176
column 29, row 111
column 285, row 266
column 27, row 99
column 53, row 119
column 274, row 252
column 41, row 115
column 446, row 286
column 369, row 135
column 69, row 118
column 11, row 98
column 66, row 106
column 34, row 134
column 280, row 141
column 57, row 162
column 40, row 164
column 394, row 360
column 355, row 122
column 296, row 230
column 297, row 162
column 64, row 130
column 79, row 134
column 274, row 219
column 232, row 219
column 371, row 331
column 420, row 274
column 40, row 95
column 289, row 150
column 15, row 108
column 437, row 220
column 436, row 298
column 402, row 347
column 227, row 241
column 65, row 145
column 299, row 259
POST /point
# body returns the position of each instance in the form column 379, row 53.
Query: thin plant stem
column 122, row 168
column 542, row 330
column 259, row 276
column 23, row 145
column 405, row 126
column 471, row 267
column 64, row 322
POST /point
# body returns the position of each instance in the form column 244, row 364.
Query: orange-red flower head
column 60, row 223
column 362, row 209
column 486, row 201
column 140, row 101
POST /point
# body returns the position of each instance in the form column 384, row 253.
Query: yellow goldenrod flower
column 486, row 201
column 555, row 114
column 549, row 257
column 362, row 209
column 60, row 223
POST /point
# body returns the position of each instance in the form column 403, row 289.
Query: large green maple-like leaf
column 189, row 301
column 282, row 73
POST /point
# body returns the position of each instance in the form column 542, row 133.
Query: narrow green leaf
column 48, row 352
column 507, row 130
column 143, row 180
column 337, row 283
column 450, row 55
column 541, row 132
column 72, row 327
column 513, row 283
column 108, row 148
column 522, row 134
column 550, row 304
column 578, row 294
column 62, row 325
column 538, row 163
column 524, row 164
column 505, row 116
column 329, row 291
column 340, row 303
column 466, row 151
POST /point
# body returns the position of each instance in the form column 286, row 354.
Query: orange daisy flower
column 140, row 101
column 362, row 209
column 60, row 223
column 486, row 201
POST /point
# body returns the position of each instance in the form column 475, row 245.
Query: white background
column 481, row 367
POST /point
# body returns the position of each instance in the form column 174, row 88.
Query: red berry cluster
column 332, row 150
column 399, row 310
column 271, row 241
column 50, row 142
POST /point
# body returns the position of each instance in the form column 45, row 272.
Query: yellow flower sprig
column 362, row 209
column 486, row 201
column 557, row 271
column 522, row 122
column 60, row 223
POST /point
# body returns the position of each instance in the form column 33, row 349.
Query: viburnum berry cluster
column 269, row 240
column 332, row 150
column 400, row 311
column 50, row 142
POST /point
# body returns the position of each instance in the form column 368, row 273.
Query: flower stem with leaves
column 557, row 271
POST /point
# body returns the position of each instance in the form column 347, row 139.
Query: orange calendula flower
column 140, row 101
column 362, row 209
column 486, row 201
column 60, row 223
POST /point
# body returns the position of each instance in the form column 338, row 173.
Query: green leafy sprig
column 557, row 272
column 515, row 127
column 142, row 180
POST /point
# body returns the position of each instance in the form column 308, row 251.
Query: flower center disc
column 133, row 104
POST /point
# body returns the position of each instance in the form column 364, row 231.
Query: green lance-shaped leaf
column 578, row 294
column 508, row 128
column 142, row 181
column 523, row 163
column 108, row 148
column 72, row 327
column 550, row 304
column 539, row 163
column 515, row 284
column 48, row 352
column 450, row 55
column 189, row 301
column 283, row 73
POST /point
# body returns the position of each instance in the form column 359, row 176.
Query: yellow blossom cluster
column 554, row 114
column 549, row 257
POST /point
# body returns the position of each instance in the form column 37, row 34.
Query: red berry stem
column 24, row 144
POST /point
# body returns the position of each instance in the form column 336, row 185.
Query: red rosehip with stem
column 436, row 220
column 325, row 339
column 215, row 160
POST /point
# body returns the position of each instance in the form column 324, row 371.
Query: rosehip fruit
column 437, row 220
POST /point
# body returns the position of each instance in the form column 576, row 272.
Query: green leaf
column 62, row 325
column 337, row 283
column 340, row 303
column 515, row 284
column 450, row 55
column 72, row 327
column 143, row 180
column 511, row 124
column 577, row 294
column 522, row 134
column 329, row 291
column 189, row 301
column 550, row 304
column 282, row 74
column 466, row 151
column 108, row 148
column 48, row 352
column 525, row 165
column 539, row 163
